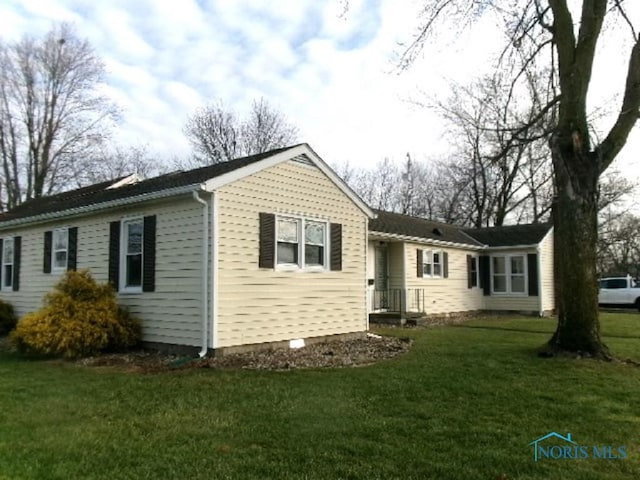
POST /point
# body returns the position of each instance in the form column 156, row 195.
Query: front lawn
column 463, row 404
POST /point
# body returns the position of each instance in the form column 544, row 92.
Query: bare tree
column 545, row 30
column 265, row 129
column 619, row 245
column 218, row 135
column 50, row 112
column 117, row 161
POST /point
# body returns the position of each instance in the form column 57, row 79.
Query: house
column 259, row 250
column 417, row 267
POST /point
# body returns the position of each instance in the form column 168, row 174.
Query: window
column 132, row 254
column 315, row 234
column 432, row 263
column 7, row 262
column 288, row 243
column 509, row 274
column 60, row 249
column 499, row 274
column 301, row 243
column 473, row 271
column 517, row 274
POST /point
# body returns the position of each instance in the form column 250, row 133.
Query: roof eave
column 97, row 207
column 426, row 241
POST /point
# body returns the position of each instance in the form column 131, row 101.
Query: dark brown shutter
column 485, row 274
column 17, row 250
column 419, row 267
column 48, row 240
column 149, row 254
column 532, row 268
column 445, row 264
column 336, row 246
column 72, row 255
column 267, row 238
column 114, row 254
column 469, row 271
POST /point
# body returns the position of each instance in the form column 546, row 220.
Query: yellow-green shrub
column 8, row 318
column 80, row 317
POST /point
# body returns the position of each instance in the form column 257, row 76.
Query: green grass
column 463, row 404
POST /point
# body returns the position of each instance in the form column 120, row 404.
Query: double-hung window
column 508, row 274
column 301, row 243
column 131, row 269
column 517, row 282
column 60, row 249
column 432, row 263
column 7, row 263
column 473, row 271
column 288, row 241
column 315, row 238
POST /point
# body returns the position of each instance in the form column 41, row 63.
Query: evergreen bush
column 80, row 317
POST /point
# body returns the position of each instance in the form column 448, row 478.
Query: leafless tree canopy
column 217, row 134
column 50, row 112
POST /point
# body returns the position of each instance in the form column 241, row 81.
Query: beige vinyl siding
column 171, row 314
column 513, row 302
column 265, row 305
column 444, row 295
column 546, row 273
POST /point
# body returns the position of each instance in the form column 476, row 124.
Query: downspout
column 205, row 270
column 540, row 292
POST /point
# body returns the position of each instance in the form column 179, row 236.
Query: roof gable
column 105, row 194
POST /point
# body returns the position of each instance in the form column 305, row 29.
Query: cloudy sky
column 331, row 74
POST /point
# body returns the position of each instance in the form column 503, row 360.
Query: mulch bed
column 332, row 354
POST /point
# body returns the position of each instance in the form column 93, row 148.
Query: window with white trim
column 288, row 241
column 7, row 262
column 301, row 243
column 315, row 240
column 60, row 249
column 431, row 263
column 131, row 258
column 473, row 271
column 508, row 274
column 517, row 280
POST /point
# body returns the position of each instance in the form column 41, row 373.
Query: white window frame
column 54, row 268
column 5, row 243
column 475, row 262
column 302, row 265
column 508, row 274
column 427, row 259
column 124, row 245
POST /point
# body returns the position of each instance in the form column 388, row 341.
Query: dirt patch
column 331, row 354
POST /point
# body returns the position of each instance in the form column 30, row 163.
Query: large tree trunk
column 575, row 235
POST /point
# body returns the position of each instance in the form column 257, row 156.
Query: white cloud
column 330, row 72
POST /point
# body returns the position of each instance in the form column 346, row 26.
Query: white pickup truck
column 619, row 291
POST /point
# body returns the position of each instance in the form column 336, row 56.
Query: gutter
column 205, row 270
column 425, row 241
column 145, row 197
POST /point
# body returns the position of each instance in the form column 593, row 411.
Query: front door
column 381, row 300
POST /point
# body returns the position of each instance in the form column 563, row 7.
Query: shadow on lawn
column 525, row 330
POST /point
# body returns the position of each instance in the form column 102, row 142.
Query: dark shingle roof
column 395, row 223
column 99, row 193
column 505, row 236
column 513, row 235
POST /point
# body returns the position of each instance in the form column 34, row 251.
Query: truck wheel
column 638, row 304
